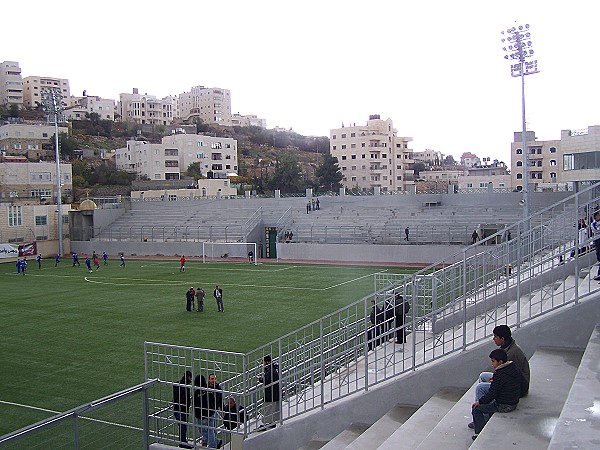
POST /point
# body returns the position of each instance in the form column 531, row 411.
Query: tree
column 449, row 161
column 418, row 168
column 13, row 110
column 328, row 173
column 194, row 170
column 287, row 177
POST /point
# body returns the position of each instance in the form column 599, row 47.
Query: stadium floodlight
column 52, row 103
column 517, row 44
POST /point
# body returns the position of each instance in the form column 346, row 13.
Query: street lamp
column 517, row 45
column 52, row 103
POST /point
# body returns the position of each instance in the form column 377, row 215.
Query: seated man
column 503, row 395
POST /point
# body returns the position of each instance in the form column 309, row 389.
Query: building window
column 552, row 149
column 41, row 220
column 65, row 220
column 552, row 162
column 353, row 156
column 482, row 185
column 14, row 216
column 333, row 137
column 553, row 176
column 519, row 151
column 519, row 163
column 334, row 147
column 353, row 178
column 363, row 145
column 352, row 134
column 343, row 146
column 469, row 185
column 343, row 157
column 519, row 176
column 343, row 135
column 352, row 145
column 501, row 185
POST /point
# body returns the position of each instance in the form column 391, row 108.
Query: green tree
column 287, row 177
column 13, row 110
column 418, row 168
column 449, row 161
column 66, row 144
column 328, row 173
column 195, row 170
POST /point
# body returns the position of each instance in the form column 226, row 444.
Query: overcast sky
column 435, row 68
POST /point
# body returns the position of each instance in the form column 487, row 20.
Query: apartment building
column 429, row 157
column 33, row 85
column 211, row 105
column 33, row 141
column 494, row 175
column 373, row 156
column 580, row 154
column 11, row 84
column 251, row 120
column 22, row 179
column 79, row 107
column 544, row 162
column 469, row 159
column 145, row 109
column 170, row 159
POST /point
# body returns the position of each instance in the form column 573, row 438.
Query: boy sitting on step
column 504, row 392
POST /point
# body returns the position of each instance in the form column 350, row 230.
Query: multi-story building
column 373, row 156
column 79, row 107
column 237, row 120
column 11, row 84
column 580, row 152
column 494, row 175
column 450, row 175
column 170, row 159
column 469, row 159
column 32, row 141
column 145, row 109
column 33, row 85
column 544, row 162
column 429, row 157
column 37, row 180
column 211, row 105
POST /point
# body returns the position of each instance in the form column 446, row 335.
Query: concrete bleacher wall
column 568, row 328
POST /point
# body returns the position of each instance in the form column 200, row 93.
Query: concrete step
column 346, row 437
column 579, row 423
column 420, row 424
column 313, row 445
column 531, row 425
column 451, row 432
column 377, row 433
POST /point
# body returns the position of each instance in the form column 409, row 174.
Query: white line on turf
column 354, row 279
column 58, row 412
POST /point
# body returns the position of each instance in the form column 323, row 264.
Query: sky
column 436, row 68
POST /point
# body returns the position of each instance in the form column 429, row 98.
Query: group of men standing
column 191, row 295
column 205, row 398
column 384, row 320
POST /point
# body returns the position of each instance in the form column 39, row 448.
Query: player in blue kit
column 39, row 261
column 88, row 264
column 105, row 258
column 56, row 260
column 76, row 259
column 122, row 261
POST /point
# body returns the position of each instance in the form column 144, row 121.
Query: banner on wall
column 17, row 251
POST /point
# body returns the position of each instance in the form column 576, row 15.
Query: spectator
column 232, row 414
column 503, row 339
column 474, row 237
column 374, row 331
column 214, row 402
column 270, row 379
column 595, row 228
column 401, row 308
column 503, row 395
column 181, row 404
column 406, row 231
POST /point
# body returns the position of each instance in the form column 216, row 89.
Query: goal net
column 229, row 251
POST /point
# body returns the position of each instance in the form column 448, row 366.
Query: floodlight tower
column 52, row 103
column 518, row 47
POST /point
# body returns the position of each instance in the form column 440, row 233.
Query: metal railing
column 453, row 304
column 148, row 233
column 119, row 420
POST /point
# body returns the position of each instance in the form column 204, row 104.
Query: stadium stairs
column 560, row 411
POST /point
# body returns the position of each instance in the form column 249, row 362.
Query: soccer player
column 88, row 264
column 96, row 262
column 39, row 261
column 122, row 261
column 76, row 259
column 18, row 264
column 105, row 258
column 56, row 260
column 24, row 265
column 182, row 262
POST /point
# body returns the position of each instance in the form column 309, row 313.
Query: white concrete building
column 237, row 120
column 170, row 159
column 11, row 84
column 88, row 104
column 145, row 109
column 206, row 188
column 451, row 175
column 33, row 180
column 544, row 162
column 211, row 105
column 429, row 157
column 373, row 156
column 32, row 141
column 580, row 154
column 33, row 85
column 469, row 159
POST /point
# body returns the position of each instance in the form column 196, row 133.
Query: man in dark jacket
column 504, row 392
column 374, row 331
column 208, row 398
column 270, row 379
column 181, row 404
column 401, row 308
column 233, row 415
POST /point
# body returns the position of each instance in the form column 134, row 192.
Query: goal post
column 229, row 251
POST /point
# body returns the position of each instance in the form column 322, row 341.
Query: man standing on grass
column 122, row 260
column 218, row 294
column 39, row 261
column 105, row 258
column 182, row 262
column 56, row 260
column 200, row 298
column 88, row 264
column 189, row 296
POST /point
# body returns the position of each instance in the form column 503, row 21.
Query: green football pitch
column 70, row 336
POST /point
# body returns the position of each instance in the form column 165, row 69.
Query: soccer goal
column 229, row 251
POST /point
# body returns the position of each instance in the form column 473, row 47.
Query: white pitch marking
column 350, row 281
column 82, row 417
